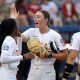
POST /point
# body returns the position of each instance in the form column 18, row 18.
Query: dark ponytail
column 2, row 37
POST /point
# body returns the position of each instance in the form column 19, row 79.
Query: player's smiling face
column 39, row 19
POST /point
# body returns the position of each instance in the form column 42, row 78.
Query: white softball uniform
column 42, row 69
column 9, row 59
column 75, row 45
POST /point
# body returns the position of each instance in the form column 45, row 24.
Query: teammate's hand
column 18, row 52
column 28, row 56
column 14, row 15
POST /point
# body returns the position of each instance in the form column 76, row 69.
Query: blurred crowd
column 63, row 12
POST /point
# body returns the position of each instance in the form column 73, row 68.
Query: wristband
column 68, row 69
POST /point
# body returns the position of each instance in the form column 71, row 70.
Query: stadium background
column 66, row 30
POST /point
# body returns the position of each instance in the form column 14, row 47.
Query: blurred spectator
column 51, row 7
column 20, row 8
column 2, row 2
column 69, row 12
column 4, row 10
column 33, row 7
column 10, row 1
column 20, row 12
column 58, row 20
column 78, row 10
column 59, row 3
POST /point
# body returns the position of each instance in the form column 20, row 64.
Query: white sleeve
column 59, row 42
column 74, row 43
column 27, row 33
column 6, row 59
column 8, row 52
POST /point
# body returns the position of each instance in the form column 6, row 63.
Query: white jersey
column 75, row 44
column 9, row 59
column 44, row 64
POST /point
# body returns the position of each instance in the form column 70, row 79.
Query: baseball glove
column 35, row 46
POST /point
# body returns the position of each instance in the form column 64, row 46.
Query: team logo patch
column 6, row 48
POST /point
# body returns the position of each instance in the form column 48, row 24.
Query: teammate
column 73, row 56
column 10, row 53
column 42, row 69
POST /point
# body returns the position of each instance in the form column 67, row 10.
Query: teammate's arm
column 74, row 48
column 70, row 63
column 6, row 59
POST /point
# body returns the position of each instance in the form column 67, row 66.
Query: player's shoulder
column 33, row 29
column 54, row 32
column 77, row 34
column 9, row 40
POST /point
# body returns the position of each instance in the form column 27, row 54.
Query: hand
column 47, row 51
column 18, row 52
column 42, row 56
column 14, row 15
column 46, row 54
column 28, row 56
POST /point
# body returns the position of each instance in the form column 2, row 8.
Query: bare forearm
column 60, row 56
column 71, row 57
column 69, row 64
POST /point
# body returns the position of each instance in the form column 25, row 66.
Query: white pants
column 41, row 73
column 7, row 74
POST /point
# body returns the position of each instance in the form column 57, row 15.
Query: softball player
column 73, row 56
column 10, row 53
column 42, row 69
